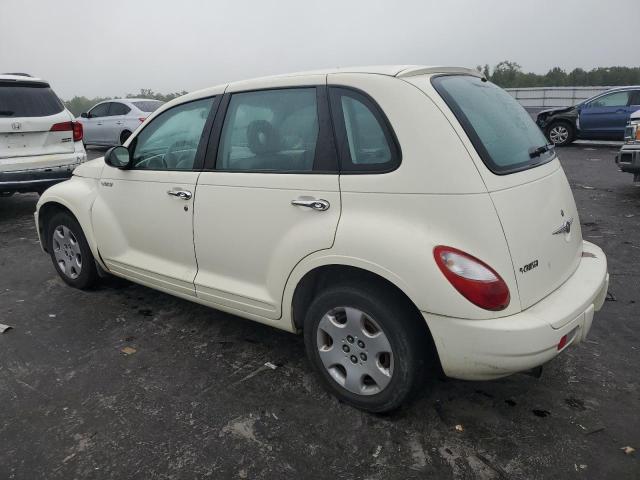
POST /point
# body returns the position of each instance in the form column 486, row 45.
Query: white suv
column 405, row 219
column 40, row 144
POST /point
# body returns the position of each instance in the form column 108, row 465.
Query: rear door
column 270, row 195
column 28, row 110
column 114, row 124
column 605, row 116
column 526, row 183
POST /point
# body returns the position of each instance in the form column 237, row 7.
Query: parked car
column 628, row 159
column 404, row 219
column 112, row 122
column 602, row 117
column 40, row 144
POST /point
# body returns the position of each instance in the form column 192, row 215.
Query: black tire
column 124, row 135
column 88, row 273
column 561, row 133
column 405, row 332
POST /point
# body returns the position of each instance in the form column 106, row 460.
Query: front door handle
column 320, row 205
column 183, row 194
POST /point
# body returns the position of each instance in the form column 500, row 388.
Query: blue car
column 602, row 117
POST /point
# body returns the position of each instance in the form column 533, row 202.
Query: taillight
column 75, row 127
column 474, row 279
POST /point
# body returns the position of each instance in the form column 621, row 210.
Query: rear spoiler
column 6, row 82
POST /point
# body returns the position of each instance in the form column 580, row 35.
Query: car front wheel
column 70, row 252
column 560, row 134
column 367, row 346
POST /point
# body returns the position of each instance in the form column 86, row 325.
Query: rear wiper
column 6, row 113
column 537, row 151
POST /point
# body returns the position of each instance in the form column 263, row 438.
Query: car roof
column 400, row 71
column 21, row 78
column 129, row 100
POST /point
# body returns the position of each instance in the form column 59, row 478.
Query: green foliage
column 509, row 74
column 77, row 105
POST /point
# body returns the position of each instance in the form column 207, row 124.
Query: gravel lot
column 194, row 399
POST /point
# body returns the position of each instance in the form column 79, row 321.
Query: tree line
column 78, row 105
column 508, row 74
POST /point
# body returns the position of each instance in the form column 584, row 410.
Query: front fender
column 76, row 195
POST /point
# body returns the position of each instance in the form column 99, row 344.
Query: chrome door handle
column 183, row 194
column 320, row 205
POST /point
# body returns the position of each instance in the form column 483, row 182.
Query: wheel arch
column 76, row 197
column 313, row 279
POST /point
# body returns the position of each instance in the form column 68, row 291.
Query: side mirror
column 118, row 157
column 84, row 115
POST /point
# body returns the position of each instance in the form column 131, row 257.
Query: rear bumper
column 628, row 158
column 35, row 180
column 489, row 349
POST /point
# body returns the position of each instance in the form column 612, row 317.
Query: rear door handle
column 320, row 205
column 183, row 194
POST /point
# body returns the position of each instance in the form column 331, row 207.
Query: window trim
column 347, row 167
column 326, row 157
column 473, row 137
column 198, row 161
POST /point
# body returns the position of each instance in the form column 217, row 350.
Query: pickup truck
column 628, row 159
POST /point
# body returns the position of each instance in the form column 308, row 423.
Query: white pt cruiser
column 404, row 219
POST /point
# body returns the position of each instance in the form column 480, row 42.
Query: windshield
column 503, row 133
column 28, row 100
column 148, row 105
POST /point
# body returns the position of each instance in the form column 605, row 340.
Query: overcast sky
column 114, row 47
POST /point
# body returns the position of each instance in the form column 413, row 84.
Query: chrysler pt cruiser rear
column 406, row 220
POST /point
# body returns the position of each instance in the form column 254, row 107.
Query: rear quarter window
column 502, row 132
column 28, row 99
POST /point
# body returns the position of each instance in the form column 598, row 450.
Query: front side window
column 616, row 99
column 28, row 99
column 365, row 138
column 170, row 141
column 99, row 110
column 271, row 130
column 502, row 132
column 118, row 109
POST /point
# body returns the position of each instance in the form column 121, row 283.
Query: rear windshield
column 148, row 105
column 28, row 100
column 502, row 132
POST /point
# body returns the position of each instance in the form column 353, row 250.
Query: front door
column 270, row 198
column 92, row 125
column 143, row 216
column 606, row 116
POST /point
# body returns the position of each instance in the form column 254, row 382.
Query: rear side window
column 502, row 132
column 270, row 130
column 365, row 139
column 28, row 99
column 148, row 105
column 118, row 109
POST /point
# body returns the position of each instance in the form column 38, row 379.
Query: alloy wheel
column 559, row 134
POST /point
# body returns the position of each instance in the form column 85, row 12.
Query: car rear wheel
column 560, row 134
column 367, row 346
column 70, row 252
